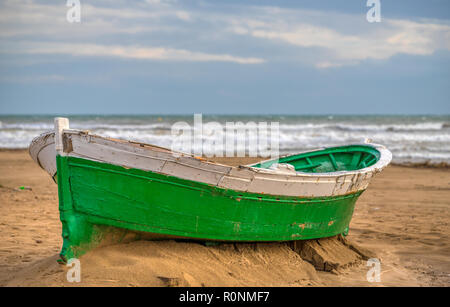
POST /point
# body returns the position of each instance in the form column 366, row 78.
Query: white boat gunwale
column 245, row 178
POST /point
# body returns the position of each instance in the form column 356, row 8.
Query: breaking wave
column 411, row 139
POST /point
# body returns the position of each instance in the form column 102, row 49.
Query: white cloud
column 324, row 40
column 379, row 42
column 20, row 18
column 129, row 52
column 332, row 64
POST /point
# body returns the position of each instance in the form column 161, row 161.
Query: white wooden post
column 61, row 123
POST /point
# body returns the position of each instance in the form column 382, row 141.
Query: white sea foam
column 365, row 127
column 410, row 139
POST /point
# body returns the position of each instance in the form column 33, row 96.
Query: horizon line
column 221, row 114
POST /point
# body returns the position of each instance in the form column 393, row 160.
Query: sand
column 402, row 219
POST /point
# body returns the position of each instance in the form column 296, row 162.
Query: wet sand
column 403, row 218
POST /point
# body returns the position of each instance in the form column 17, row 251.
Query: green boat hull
column 99, row 199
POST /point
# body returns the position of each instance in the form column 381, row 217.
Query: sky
column 224, row 57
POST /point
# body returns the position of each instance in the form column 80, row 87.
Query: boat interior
column 343, row 158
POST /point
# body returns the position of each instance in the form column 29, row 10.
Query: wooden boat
column 107, row 184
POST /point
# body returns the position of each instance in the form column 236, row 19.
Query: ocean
column 412, row 139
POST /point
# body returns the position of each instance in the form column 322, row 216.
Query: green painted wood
column 98, row 198
column 344, row 158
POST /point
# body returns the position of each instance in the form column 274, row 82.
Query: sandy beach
column 403, row 219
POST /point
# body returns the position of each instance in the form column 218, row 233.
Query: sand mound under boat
column 172, row 263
